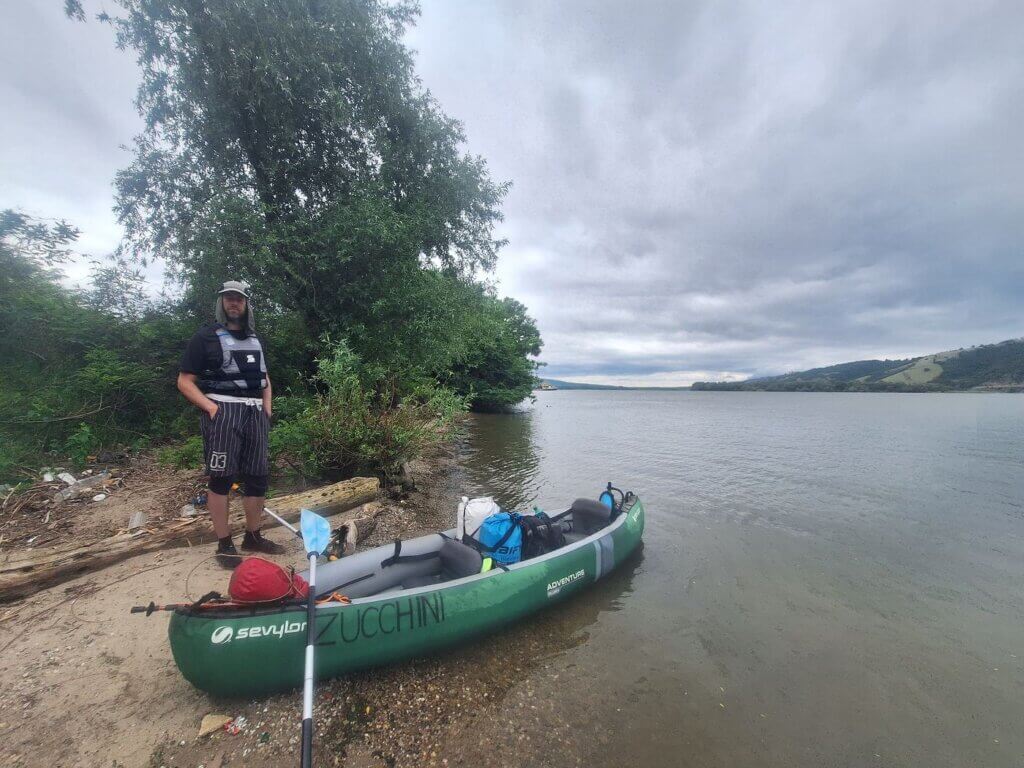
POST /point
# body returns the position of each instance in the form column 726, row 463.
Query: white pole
column 307, row 680
column 283, row 522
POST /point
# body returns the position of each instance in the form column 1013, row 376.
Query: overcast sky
column 700, row 190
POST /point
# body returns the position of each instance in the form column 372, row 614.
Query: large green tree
column 496, row 367
column 290, row 143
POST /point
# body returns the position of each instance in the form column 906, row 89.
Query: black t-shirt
column 203, row 353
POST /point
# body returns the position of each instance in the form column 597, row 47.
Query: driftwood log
column 22, row 574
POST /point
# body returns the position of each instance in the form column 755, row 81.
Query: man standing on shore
column 224, row 374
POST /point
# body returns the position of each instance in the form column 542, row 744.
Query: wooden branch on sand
column 22, row 574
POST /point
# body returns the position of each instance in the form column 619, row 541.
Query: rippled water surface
column 827, row 579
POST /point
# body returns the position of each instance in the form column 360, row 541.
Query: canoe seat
column 457, row 560
column 589, row 516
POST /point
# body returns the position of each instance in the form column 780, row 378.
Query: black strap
column 398, row 557
column 537, row 524
column 356, row 580
column 205, row 599
column 220, row 375
column 546, row 521
column 394, row 558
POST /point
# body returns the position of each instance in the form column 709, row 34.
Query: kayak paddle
column 316, row 535
column 283, row 522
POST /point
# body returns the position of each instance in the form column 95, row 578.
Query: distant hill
column 991, row 367
column 559, row 384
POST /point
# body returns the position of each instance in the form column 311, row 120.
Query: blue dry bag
column 501, row 538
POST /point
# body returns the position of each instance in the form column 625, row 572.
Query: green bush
column 358, row 421
column 81, row 444
column 87, row 371
column 10, row 460
column 186, row 455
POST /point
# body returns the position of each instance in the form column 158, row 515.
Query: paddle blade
column 316, row 532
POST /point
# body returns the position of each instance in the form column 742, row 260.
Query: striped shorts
column 236, row 440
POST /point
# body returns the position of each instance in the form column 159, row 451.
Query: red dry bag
column 256, row 580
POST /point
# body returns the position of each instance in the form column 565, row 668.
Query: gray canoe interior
column 370, row 573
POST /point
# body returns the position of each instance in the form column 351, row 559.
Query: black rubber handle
column 307, row 743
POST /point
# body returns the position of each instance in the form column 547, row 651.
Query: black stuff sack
column 540, row 535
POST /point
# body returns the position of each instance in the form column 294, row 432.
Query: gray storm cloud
column 749, row 188
column 700, row 190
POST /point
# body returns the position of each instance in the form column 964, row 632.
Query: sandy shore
column 84, row 683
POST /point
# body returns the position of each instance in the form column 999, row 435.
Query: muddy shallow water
column 826, row 580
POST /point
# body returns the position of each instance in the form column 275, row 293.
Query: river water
column 826, row 579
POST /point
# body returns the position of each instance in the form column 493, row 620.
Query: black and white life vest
column 243, row 369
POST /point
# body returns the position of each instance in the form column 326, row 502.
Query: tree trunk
column 23, row 574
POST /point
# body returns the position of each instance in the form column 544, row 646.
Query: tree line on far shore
column 988, row 367
column 287, row 143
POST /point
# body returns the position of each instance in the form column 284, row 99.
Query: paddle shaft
column 283, row 522
column 307, row 680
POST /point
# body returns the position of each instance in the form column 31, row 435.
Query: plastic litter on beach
column 189, row 510
column 99, row 497
column 236, row 726
column 137, row 519
column 80, row 487
column 213, row 723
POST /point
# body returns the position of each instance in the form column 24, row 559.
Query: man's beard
column 235, row 315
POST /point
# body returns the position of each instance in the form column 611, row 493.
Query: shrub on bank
column 185, row 455
column 359, row 420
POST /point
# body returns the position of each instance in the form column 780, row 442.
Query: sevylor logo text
column 556, row 586
column 225, row 634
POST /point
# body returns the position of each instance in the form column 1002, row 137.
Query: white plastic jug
column 472, row 513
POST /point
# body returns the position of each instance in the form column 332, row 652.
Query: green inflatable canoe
column 404, row 603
